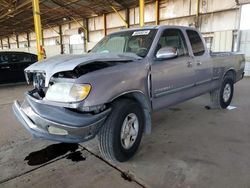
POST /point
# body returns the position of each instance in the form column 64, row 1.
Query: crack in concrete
column 125, row 175
column 28, row 171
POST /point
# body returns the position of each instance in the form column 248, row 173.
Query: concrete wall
column 216, row 17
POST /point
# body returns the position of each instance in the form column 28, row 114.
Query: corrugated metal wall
column 245, row 48
column 218, row 20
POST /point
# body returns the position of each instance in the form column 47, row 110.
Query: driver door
column 172, row 79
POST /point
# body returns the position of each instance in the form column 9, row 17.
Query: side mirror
column 167, row 53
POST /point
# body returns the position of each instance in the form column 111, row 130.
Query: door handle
column 189, row 64
column 6, row 67
column 199, row 63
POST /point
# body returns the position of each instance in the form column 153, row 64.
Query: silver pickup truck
column 111, row 91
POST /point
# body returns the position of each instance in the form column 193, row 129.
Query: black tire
column 226, row 81
column 217, row 95
column 110, row 143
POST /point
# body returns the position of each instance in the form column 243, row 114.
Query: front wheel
column 120, row 136
column 222, row 97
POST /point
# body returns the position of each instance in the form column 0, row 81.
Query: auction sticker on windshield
column 138, row 33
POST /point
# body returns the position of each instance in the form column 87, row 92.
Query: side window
column 25, row 58
column 13, row 58
column 20, row 58
column 173, row 38
column 196, row 43
column 4, row 58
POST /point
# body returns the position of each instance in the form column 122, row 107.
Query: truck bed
column 222, row 62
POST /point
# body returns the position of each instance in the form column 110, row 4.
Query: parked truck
column 111, row 91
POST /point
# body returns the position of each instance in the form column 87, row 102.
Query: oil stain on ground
column 76, row 156
column 54, row 151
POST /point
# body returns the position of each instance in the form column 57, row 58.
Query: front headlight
column 67, row 92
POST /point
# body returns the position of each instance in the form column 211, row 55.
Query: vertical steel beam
column 42, row 38
column 141, row 10
column 197, row 8
column 104, row 24
column 8, row 40
column 17, row 41
column 157, row 15
column 197, row 13
column 38, row 29
column 86, row 33
column 28, row 39
column 127, row 16
column 1, row 43
column 238, row 30
column 61, row 39
column 87, row 29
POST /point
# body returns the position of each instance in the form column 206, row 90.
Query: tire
column 222, row 97
column 111, row 144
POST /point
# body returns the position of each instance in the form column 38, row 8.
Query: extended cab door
column 172, row 79
column 201, row 62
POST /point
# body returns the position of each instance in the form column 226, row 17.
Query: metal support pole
column 2, row 43
column 197, row 8
column 127, row 16
column 239, row 32
column 42, row 38
column 123, row 19
column 28, row 39
column 85, row 39
column 157, row 12
column 104, row 24
column 61, row 39
column 141, row 9
column 38, row 30
column 8, row 40
column 197, row 13
column 87, row 29
column 17, row 41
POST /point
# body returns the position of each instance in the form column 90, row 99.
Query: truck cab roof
column 157, row 27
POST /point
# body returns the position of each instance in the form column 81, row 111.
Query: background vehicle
column 12, row 65
column 113, row 90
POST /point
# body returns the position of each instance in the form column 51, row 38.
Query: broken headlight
column 39, row 80
column 67, row 92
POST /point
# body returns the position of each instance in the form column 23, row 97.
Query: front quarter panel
column 109, row 83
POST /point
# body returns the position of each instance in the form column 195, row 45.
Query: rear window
column 196, row 43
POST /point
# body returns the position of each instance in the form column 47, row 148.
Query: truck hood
column 61, row 63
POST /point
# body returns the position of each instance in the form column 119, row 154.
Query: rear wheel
column 120, row 136
column 222, row 97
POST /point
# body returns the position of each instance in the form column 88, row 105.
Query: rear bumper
column 57, row 123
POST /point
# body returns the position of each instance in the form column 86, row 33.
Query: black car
column 12, row 65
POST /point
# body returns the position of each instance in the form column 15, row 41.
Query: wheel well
column 141, row 99
column 232, row 74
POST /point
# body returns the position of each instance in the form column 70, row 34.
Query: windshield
column 136, row 41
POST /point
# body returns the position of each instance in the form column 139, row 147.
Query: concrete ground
column 190, row 146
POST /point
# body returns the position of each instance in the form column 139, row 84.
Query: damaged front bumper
column 58, row 123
